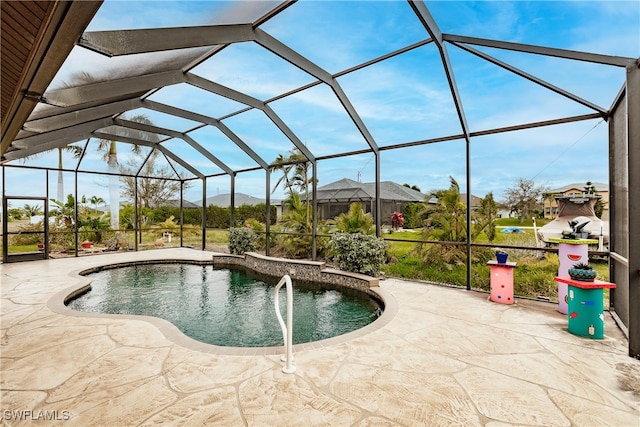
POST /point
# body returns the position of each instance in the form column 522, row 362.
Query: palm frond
column 75, row 150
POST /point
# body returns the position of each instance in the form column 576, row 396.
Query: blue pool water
column 225, row 307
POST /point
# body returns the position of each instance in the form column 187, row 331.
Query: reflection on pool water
column 225, row 307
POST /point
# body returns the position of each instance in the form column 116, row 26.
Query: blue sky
column 402, row 99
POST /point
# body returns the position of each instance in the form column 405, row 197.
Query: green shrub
column 92, row 227
column 161, row 213
column 257, row 212
column 191, row 216
column 355, row 221
column 28, row 239
column 15, row 214
column 260, row 229
column 359, row 253
column 414, row 215
column 128, row 218
column 242, row 240
column 60, row 237
column 218, row 217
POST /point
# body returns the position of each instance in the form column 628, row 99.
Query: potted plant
column 582, row 272
column 501, row 256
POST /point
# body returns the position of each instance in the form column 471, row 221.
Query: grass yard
column 515, row 222
column 533, row 277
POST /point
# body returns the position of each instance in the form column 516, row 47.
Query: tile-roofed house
column 475, row 200
column 224, row 200
column 185, row 204
column 336, row 197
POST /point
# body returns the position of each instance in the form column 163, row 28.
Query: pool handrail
column 287, row 330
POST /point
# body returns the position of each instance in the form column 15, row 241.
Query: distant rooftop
column 224, row 200
column 475, row 200
column 186, row 204
column 599, row 186
column 348, row 190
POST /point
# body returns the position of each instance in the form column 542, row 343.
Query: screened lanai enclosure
column 110, row 108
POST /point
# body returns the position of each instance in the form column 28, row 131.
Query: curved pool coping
column 57, row 304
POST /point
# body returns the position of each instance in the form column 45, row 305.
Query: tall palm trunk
column 306, row 190
column 114, row 186
column 60, row 178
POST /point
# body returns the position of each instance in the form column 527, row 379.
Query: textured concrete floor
column 446, row 357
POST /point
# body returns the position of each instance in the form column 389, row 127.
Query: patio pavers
column 447, row 357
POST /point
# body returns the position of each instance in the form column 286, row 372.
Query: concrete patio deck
column 447, row 357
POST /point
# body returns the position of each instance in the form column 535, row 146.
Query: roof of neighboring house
column 475, row 200
column 185, row 204
column 224, row 200
column 221, row 200
column 348, row 190
column 599, row 186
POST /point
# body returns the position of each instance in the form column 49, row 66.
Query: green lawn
column 533, row 277
column 23, row 248
column 515, row 222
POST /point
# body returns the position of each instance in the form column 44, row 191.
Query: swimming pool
column 225, row 307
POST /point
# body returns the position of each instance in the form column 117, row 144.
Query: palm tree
column 110, row 154
column 95, row 201
column 65, row 211
column 298, row 244
column 298, row 240
column 294, row 221
column 355, row 221
column 32, row 210
column 301, row 180
column 485, row 218
column 76, row 151
column 297, row 164
column 279, row 165
column 446, row 222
